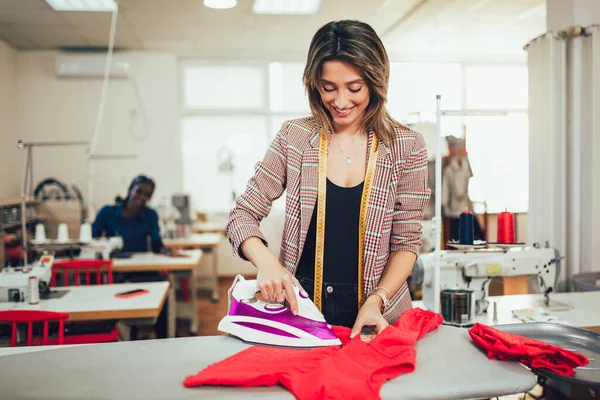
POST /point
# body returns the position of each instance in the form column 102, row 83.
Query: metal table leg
column 194, row 296
column 215, row 278
column 172, row 310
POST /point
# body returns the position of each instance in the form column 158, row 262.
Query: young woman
column 356, row 186
column 132, row 219
column 137, row 224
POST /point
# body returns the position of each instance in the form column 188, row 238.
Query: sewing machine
column 101, row 247
column 182, row 203
column 168, row 215
column 474, row 269
column 14, row 281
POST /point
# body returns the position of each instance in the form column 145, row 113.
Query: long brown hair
column 356, row 43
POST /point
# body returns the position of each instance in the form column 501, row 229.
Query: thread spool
column 63, row 233
column 466, row 229
column 85, row 232
column 34, row 290
column 506, row 227
column 40, row 233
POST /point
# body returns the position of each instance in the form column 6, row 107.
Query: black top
column 340, row 258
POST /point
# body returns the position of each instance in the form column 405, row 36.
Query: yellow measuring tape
column 362, row 228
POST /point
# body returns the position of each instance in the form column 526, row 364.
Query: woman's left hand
column 369, row 315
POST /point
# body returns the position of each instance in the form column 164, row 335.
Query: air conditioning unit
column 92, row 65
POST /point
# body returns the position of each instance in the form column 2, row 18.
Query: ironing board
column 449, row 366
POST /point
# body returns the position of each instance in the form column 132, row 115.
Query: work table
column 449, row 366
column 578, row 309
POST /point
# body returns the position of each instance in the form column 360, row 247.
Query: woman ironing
column 356, row 186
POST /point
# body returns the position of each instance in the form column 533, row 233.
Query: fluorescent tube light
column 83, row 5
column 286, row 7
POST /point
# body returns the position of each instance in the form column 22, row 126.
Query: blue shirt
column 134, row 231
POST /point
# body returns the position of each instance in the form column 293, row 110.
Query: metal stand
column 27, row 177
column 437, row 220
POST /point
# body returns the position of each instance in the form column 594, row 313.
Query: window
column 286, row 88
column 231, row 112
column 412, row 98
column 414, row 86
column 498, row 146
column 224, row 87
column 496, row 87
column 218, row 155
column 498, row 150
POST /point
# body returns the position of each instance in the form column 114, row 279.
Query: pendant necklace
column 348, row 158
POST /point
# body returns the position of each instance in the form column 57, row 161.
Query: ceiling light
column 288, row 7
column 83, row 5
column 220, row 4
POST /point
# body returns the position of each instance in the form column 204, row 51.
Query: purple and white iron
column 257, row 321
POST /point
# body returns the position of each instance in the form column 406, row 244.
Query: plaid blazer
column 398, row 196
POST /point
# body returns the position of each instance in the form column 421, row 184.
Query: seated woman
column 137, row 224
column 132, row 219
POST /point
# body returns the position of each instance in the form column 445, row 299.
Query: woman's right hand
column 277, row 284
column 274, row 281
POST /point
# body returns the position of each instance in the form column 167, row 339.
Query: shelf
column 56, row 245
column 18, row 224
column 17, row 202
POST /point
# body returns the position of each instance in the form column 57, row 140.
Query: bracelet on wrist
column 387, row 292
column 384, row 299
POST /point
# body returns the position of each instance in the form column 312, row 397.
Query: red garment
column 533, row 353
column 357, row 370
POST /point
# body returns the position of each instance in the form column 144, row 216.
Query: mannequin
column 456, row 173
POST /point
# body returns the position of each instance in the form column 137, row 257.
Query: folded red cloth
column 533, row 353
column 357, row 370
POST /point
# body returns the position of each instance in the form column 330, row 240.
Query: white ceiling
column 473, row 30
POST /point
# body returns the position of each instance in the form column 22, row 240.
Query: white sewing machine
column 473, row 269
column 14, row 282
column 103, row 247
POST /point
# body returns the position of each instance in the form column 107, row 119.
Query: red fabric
column 356, row 370
column 533, row 353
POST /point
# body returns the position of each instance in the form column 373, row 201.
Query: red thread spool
column 506, row 227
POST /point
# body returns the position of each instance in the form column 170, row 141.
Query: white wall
column 9, row 175
column 64, row 109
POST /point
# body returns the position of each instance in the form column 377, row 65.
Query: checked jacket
column 395, row 208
